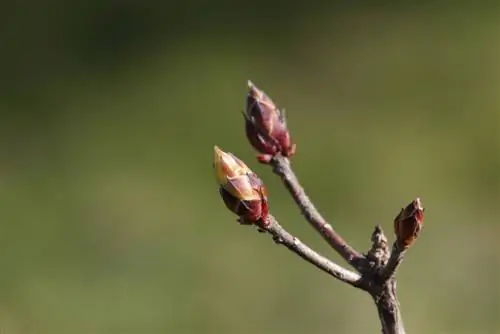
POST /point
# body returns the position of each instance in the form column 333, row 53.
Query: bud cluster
column 244, row 193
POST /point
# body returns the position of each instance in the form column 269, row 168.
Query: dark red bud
column 265, row 124
column 257, row 140
column 408, row 223
column 249, row 212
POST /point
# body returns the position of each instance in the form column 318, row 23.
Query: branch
column 383, row 289
column 397, row 256
column 388, row 309
column 282, row 168
column 281, row 236
column 244, row 194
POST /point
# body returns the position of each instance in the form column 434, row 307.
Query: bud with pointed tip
column 408, row 223
column 242, row 191
column 265, row 125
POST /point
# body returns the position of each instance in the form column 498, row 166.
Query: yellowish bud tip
column 219, row 166
column 418, row 203
column 227, row 166
column 217, row 153
column 232, row 174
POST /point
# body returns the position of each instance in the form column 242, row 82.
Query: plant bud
column 242, row 191
column 408, row 223
column 265, row 125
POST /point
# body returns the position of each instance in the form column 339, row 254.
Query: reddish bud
column 408, row 223
column 265, row 125
column 242, row 191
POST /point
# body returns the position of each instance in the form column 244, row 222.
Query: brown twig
column 383, row 289
column 282, row 168
column 397, row 256
column 281, row 236
column 387, row 303
column 378, row 267
column 376, row 279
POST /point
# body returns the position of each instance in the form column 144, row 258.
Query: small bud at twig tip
column 378, row 235
column 408, row 223
column 242, row 191
column 265, row 124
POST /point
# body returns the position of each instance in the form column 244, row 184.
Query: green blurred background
column 110, row 216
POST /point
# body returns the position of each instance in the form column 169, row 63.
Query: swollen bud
column 265, row 125
column 242, row 191
column 408, row 223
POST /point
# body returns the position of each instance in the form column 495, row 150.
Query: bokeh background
column 110, row 220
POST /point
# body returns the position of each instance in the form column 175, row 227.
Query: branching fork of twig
column 244, row 193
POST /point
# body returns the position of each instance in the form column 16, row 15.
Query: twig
column 245, row 195
column 382, row 287
column 379, row 252
column 397, row 256
column 388, row 308
column 282, row 168
column 281, row 236
column 377, row 270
